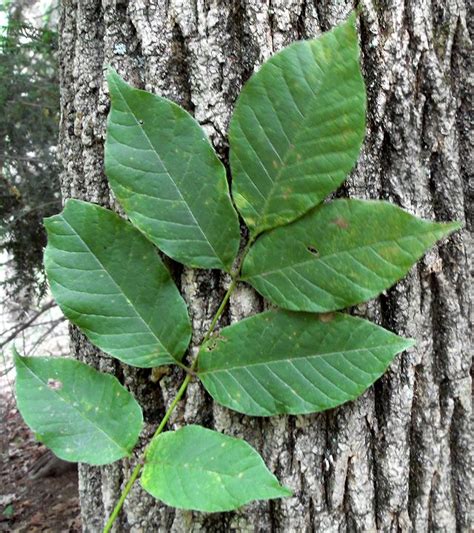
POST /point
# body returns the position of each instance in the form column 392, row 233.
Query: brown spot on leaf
column 326, row 317
column 55, row 384
column 341, row 222
column 311, row 249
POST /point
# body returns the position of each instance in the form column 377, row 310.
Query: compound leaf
column 340, row 254
column 199, row 469
column 109, row 281
column 282, row 362
column 297, row 128
column 81, row 414
column 168, row 178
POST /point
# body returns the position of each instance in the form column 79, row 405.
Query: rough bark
column 398, row 459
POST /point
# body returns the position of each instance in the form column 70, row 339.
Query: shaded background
column 37, row 491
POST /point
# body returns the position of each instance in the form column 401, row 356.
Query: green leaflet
column 109, row 281
column 168, row 178
column 282, row 362
column 342, row 253
column 297, row 128
column 81, row 414
column 199, row 469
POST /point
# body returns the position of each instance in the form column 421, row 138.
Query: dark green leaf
column 342, row 253
column 168, row 178
column 283, row 362
column 297, row 128
column 109, row 281
column 8, row 512
column 202, row 470
column 81, row 414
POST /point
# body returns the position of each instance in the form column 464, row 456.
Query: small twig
column 45, row 334
column 25, row 325
column 191, row 372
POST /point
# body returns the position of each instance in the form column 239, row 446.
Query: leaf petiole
column 190, row 374
column 135, row 473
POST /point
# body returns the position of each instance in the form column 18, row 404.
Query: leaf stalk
column 135, row 473
column 182, row 389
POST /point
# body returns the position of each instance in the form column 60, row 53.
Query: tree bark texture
column 397, row 459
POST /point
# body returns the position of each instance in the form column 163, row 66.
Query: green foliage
column 81, row 414
column 281, row 362
column 340, row 254
column 9, row 511
column 196, row 468
column 168, row 178
column 29, row 170
column 305, row 110
column 109, row 281
column 297, row 129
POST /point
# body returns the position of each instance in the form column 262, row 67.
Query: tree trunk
column 397, row 459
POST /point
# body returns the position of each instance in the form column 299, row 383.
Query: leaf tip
column 453, row 226
column 114, row 81
column 352, row 17
column 406, row 343
column 111, row 74
column 441, row 230
column 17, row 358
column 286, row 492
column 47, row 221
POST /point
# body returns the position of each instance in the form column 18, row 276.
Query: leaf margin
column 190, row 428
column 209, row 351
column 256, row 278
column 106, row 377
column 48, row 260
column 114, row 79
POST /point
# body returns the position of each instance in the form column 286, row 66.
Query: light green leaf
column 282, row 362
column 199, row 469
column 79, row 413
column 342, row 253
column 109, row 281
column 297, row 128
column 168, row 178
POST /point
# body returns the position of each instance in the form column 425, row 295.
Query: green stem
column 138, row 467
column 173, row 404
column 126, row 490
column 218, row 314
column 181, row 390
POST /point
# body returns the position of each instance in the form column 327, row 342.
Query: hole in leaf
column 55, row 384
column 211, row 345
column 312, row 250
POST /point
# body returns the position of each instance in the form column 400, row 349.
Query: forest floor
column 37, row 491
column 35, row 495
